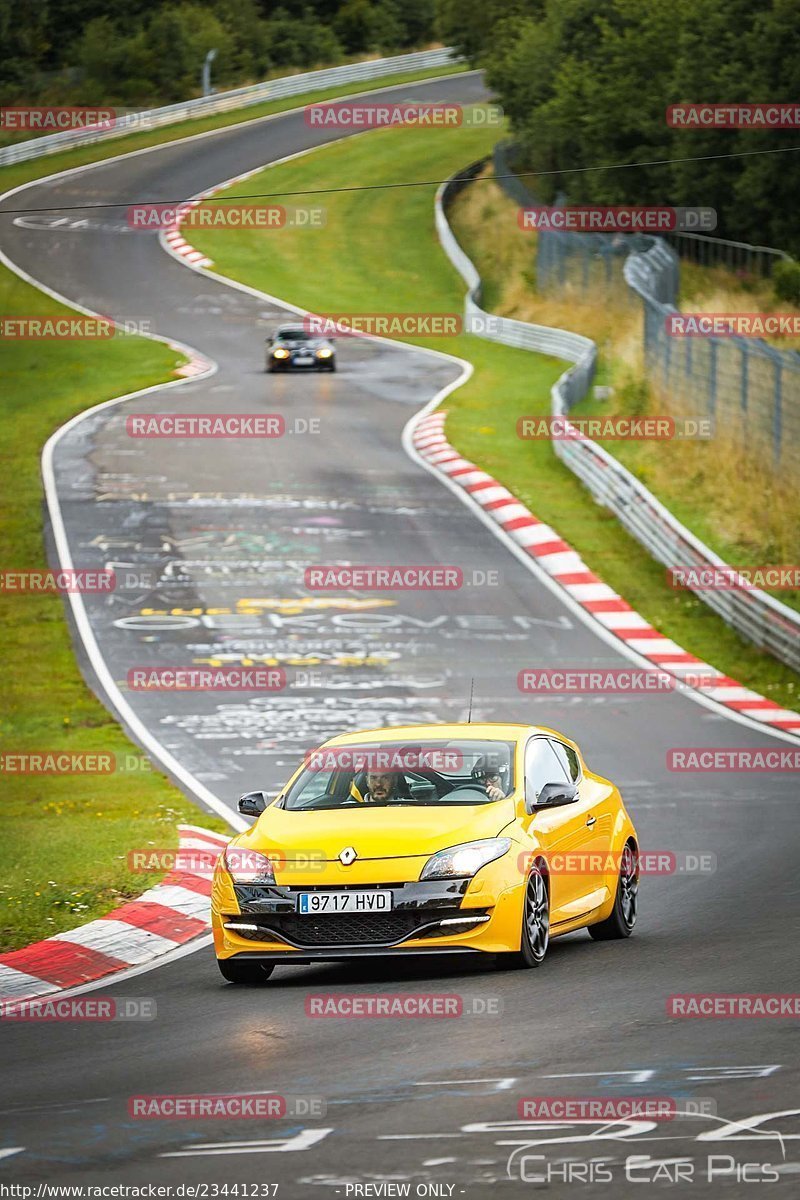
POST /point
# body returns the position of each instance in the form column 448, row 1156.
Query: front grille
column 352, row 929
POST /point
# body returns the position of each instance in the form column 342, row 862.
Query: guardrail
column 755, row 615
column 256, row 93
column 544, row 338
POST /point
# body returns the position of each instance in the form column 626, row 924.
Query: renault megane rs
column 432, row 839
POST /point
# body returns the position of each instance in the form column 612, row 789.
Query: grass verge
column 63, row 853
column 507, row 383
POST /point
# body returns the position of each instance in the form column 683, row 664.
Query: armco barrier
column 755, row 615
column 256, row 93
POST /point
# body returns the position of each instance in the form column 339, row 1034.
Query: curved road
column 219, row 535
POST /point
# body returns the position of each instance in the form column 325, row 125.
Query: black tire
column 623, row 915
column 244, row 971
column 535, row 935
column 332, row 367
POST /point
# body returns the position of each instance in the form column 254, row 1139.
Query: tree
column 470, row 25
column 25, row 40
column 91, row 51
column 587, row 82
column 356, row 26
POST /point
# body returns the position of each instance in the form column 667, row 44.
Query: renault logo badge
column 347, row 856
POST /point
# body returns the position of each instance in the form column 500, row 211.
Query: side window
column 568, row 759
column 542, row 766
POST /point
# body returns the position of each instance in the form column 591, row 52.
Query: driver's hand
column 494, row 792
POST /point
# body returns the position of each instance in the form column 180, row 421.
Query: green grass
column 63, row 856
column 726, row 489
column 717, row 493
column 410, row 273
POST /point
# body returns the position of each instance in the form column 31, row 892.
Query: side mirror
column 268, row 341
column 252, row 804
column 552, row 795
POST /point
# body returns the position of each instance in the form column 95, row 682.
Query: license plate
column 304, row 360
column 313, row 903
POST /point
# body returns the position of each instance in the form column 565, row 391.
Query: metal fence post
column 667, row 356
column 777, row 412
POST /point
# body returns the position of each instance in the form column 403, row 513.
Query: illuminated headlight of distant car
column 247, row 866
column 324, row 352
column 280, row 353
column 464, row 860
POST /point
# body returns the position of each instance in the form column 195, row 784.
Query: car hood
column 374, row 832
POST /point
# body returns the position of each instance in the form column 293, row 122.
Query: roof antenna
column 471, row 690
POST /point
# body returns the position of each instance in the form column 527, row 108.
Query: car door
column 598, row 803
column 566, row 834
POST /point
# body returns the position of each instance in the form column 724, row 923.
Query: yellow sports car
column 429, row 839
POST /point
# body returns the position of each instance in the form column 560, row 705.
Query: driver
column 382, row 786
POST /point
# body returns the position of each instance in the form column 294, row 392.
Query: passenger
column 493, row 782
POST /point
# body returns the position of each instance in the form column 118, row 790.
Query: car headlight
column 247, row 866
column 464, row 860
column 280, row 353
column 324, row 352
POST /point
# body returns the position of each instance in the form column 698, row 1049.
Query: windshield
column 293, row 335
column 422, row 773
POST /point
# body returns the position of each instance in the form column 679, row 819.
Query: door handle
column 590, row 821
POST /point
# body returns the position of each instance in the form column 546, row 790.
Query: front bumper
column 290, row 364
column 426, row 918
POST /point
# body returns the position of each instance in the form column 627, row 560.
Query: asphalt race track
column 223, row 532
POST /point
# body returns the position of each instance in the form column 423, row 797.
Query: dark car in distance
column 293, row 346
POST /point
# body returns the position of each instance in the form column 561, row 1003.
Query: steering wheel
column 470, row 789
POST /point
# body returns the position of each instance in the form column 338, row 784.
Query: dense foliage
column 587, row 82
column 149, row 52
